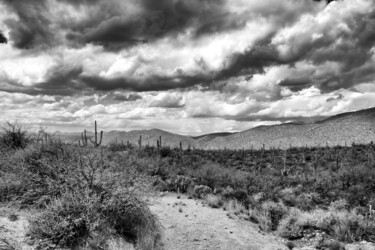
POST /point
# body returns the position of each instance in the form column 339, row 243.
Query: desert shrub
column 237, row 194
column 214, row 201
column 74, row 218
column 331, row 245
column 166, row 152
column 212, row 175
column 308, row 201
column 347, row 226
column 291, row 227
column 288, row 196
column 290, row 245
column 115, row 147
column 15, row 135
column 338, row 205
column 275, row 212
column 200, row 191
column 269, row 215
column 234, row 206
column 342, row 225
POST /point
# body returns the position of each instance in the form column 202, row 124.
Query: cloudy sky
column 185, row 66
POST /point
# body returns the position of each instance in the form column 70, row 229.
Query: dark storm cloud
column 252, row 61
column 153, row 83
column 159, row 19
column 61, row 81
column 3, row 39
column 33, row 27
column 296, row 83
column 107, row 24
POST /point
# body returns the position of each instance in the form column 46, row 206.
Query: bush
column 166, row 152
column 275, row 212
column 239, row 194
column 214, row 201
column 291, row 227
column 75, row 218
column 269, row 215
column 15, row 136
column 342, row 225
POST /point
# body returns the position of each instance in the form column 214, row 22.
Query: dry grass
column 119, row 244
column 214, row 201
column 343, row 225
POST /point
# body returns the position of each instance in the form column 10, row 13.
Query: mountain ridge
column 341, row 129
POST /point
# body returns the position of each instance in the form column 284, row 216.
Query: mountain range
column 342, row 129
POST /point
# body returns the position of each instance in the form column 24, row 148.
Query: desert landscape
column 187, row 124
column 92, row 192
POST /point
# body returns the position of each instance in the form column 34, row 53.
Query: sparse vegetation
column 94, row 190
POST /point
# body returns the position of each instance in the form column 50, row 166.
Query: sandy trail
column 14, row 232
column 191, row 226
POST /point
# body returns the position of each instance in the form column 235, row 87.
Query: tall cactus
column 158, row 147
column 96, row 143
column 84, row 138
column 140, row 141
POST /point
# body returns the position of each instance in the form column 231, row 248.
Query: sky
column 185, row 66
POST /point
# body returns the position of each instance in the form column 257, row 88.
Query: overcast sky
column 185, row 66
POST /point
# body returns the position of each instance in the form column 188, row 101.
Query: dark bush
column 166, row 152
column 15, row 135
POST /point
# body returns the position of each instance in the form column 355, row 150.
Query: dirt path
column 13, row 233
column 189, row 225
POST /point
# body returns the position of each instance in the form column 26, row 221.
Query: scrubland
column 87, row 197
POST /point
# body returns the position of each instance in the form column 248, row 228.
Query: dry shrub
column 292, row 226
column 343, row 225
column 269, row 215
column 214, row 201
column 75, row 219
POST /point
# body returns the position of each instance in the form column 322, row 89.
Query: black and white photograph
column 187, row 124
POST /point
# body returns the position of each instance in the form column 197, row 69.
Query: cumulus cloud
column 168, row 100
column 199, row 60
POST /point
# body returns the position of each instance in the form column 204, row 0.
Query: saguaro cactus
column 96, row 143
column 140, row 141
column 158, row 147
column 84, row 138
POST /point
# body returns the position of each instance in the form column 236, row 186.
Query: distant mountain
column 150, row 137
column 208, row 137
column 357, row 127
